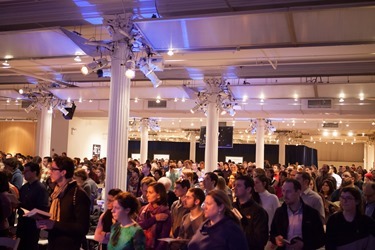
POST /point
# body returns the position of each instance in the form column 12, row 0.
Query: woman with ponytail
column 126, row 234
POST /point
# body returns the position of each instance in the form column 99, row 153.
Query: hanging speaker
column 71, row 110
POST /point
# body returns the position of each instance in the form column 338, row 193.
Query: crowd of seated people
column 180, row 205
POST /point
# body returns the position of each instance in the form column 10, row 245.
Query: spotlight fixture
column 148, row 71
column 93, row 66
column 21, row 91
column 77, row 59
column 62, row 109
column 50, row 109
column 130, row 69
column 170, row 52
column 6, row 64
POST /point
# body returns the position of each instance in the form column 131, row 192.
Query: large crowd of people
column 178, row 204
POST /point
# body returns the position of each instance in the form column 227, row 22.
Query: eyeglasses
column 54, row 169
column 347, row 198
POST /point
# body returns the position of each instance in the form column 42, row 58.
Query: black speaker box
column 71, row 110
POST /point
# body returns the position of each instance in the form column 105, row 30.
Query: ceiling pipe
column 25, row 73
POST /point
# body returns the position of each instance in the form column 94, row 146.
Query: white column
column 212, row 144
column 259, row 152
column 45, row 131
column 365, row 154
column 144, row 140
column 369, row 156
column 193, row 141
column 119, row 106
column 282, row 143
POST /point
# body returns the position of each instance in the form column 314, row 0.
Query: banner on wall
column 96, row 148
column 235, row 159
column 136, row 157
column 161, row 156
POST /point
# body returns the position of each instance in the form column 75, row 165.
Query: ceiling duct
column 154, row 104
column 319, row 104
column 330, row 125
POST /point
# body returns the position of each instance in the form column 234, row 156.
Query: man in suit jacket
column 296, row 224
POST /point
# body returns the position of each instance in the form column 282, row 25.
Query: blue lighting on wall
column 185, row 36
column 195, row 74
column 82, row 3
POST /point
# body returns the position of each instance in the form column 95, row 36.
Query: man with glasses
column 70, row 208
column 347, row 181
column 369, row 195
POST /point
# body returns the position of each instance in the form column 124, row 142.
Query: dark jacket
column 74, row 223
column 224, row 235
column 254, row 223
column 312, row 226
column 341, row 233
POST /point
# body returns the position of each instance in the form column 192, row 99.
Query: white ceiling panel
column 335, row 25
column 283, row 91
column 99, row 93
column 216, row 32
column 37, row 44
column 348, row 90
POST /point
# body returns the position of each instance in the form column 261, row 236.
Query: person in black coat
column 254, row 219
column 70, row 208
column 33, row 194
column 307, row 233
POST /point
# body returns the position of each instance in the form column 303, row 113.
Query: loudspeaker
column 71, row 110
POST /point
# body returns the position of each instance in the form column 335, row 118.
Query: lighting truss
column 40, row 97
column 269, row 128
column 152, row 124
column 217, row 92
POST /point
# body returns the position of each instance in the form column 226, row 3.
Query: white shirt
column 270, row 203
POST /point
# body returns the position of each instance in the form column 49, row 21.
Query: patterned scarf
column 57, row 194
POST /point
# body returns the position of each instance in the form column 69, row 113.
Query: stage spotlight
column 62, row 109
column 150, row 74
column 130, row 69
column 93, row 66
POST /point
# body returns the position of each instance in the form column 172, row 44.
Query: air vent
column 319, row 104
column 330, row 125
column 25, row 104
column 154, row 104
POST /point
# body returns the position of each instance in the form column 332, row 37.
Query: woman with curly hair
column 126, row 234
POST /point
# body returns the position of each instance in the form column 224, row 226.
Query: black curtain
column 180, row 151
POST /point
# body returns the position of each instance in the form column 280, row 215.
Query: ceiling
column 277, row 56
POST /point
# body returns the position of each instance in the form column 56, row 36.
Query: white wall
column 339, row 155
column 83, row 133
column 59, row 134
